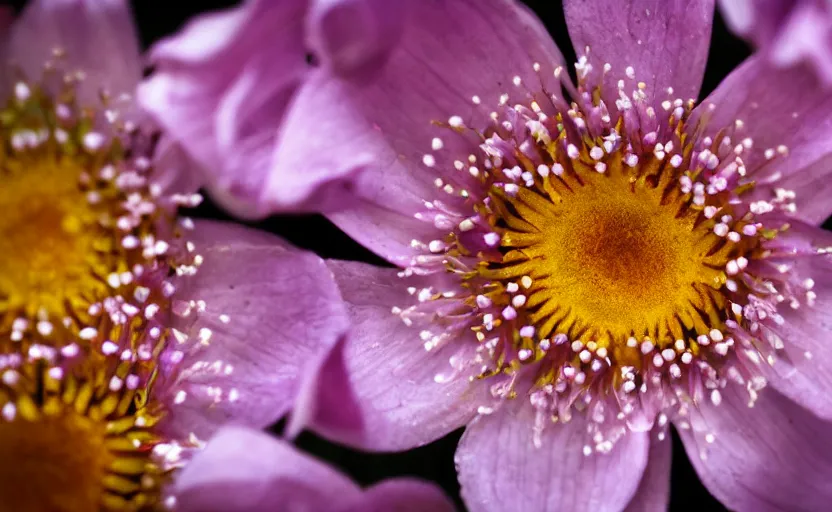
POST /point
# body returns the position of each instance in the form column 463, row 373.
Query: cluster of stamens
column 604, row 260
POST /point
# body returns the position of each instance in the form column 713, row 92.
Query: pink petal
column 808, row 379
column 391, row 372
column 771, row 457
column 501, row 469
column 243, row 470
column 284, row 313
column 400, row 495
column 779, row 107
column 221, row 87
column 788, row 31
column 99, row 39
column 665, row 41
column 653, row 493
column 355, row 37
column 373, row 137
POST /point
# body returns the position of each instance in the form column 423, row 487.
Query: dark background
column 157, row 19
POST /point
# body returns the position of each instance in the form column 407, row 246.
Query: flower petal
column 453, row 51
column 770, row 457
column 806, row 331
column 221, row 87
column 243, row 470
column 789, row 31
column 665, row 41
column 391, row 372
column 653, row 493
column 400, row 495
column 99, row 39
column 500, row 467
column 354, row 37
column 779, row 107
column 284, row 312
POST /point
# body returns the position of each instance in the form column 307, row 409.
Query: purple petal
column 354, row 37
column 665, row 41
column 391, row 372
column 779, row 108
column 243, row 470
column 770, row 457
column 400, row 495
column 653, row 493
column 373, row 136
column 788, row 31
column 806, row 331
column 284, row 312
column 221, row 87
column 500, row 468
column 99, row 39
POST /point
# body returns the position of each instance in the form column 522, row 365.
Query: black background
column 157, row 19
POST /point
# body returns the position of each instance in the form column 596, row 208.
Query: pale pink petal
column 391, row 372
column 243, row 470
column 771, row 457
column 500, row 468
column 273, row 312
column 370, row 138
column 653, row 493
column 400, row 495
column 664, row 41
column 98, row 37
column 785, row 111
column 807, row 330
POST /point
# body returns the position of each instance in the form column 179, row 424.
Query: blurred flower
column 223, row 86
column 581, row 266
column 242, row 470
column 116, row 355
column 787, row 31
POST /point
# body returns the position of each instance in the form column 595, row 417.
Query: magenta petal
column 355, row 37
column 448, row 53
column 771, row 457
column 221, row 87
column 400, row 495
column 243, row 470
column 501, row 469
column 807, row 330
column 653, row 493
column 391, row 372
column 665, row 41
column 779, row 107
column 284, row 312
column 99, row 39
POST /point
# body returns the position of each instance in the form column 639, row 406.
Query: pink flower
column 581, row 266
column 242, row 470
column 223, row 85
column 788, row 31
column 129, row 333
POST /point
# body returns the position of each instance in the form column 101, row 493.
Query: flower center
column 80, row 442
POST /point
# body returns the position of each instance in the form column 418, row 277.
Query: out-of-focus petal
column 284, row 312
column 500, row 468
column 221, row 87
column 788, row 31
column 653, row 493
column 392, row 373
column 779, row 107
column 400, row 495
column 664, row 41
column 767, row 458
column 807, row 330
column 98, row 37
column 371, row 137
column 355, row 37
column 243, row 470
